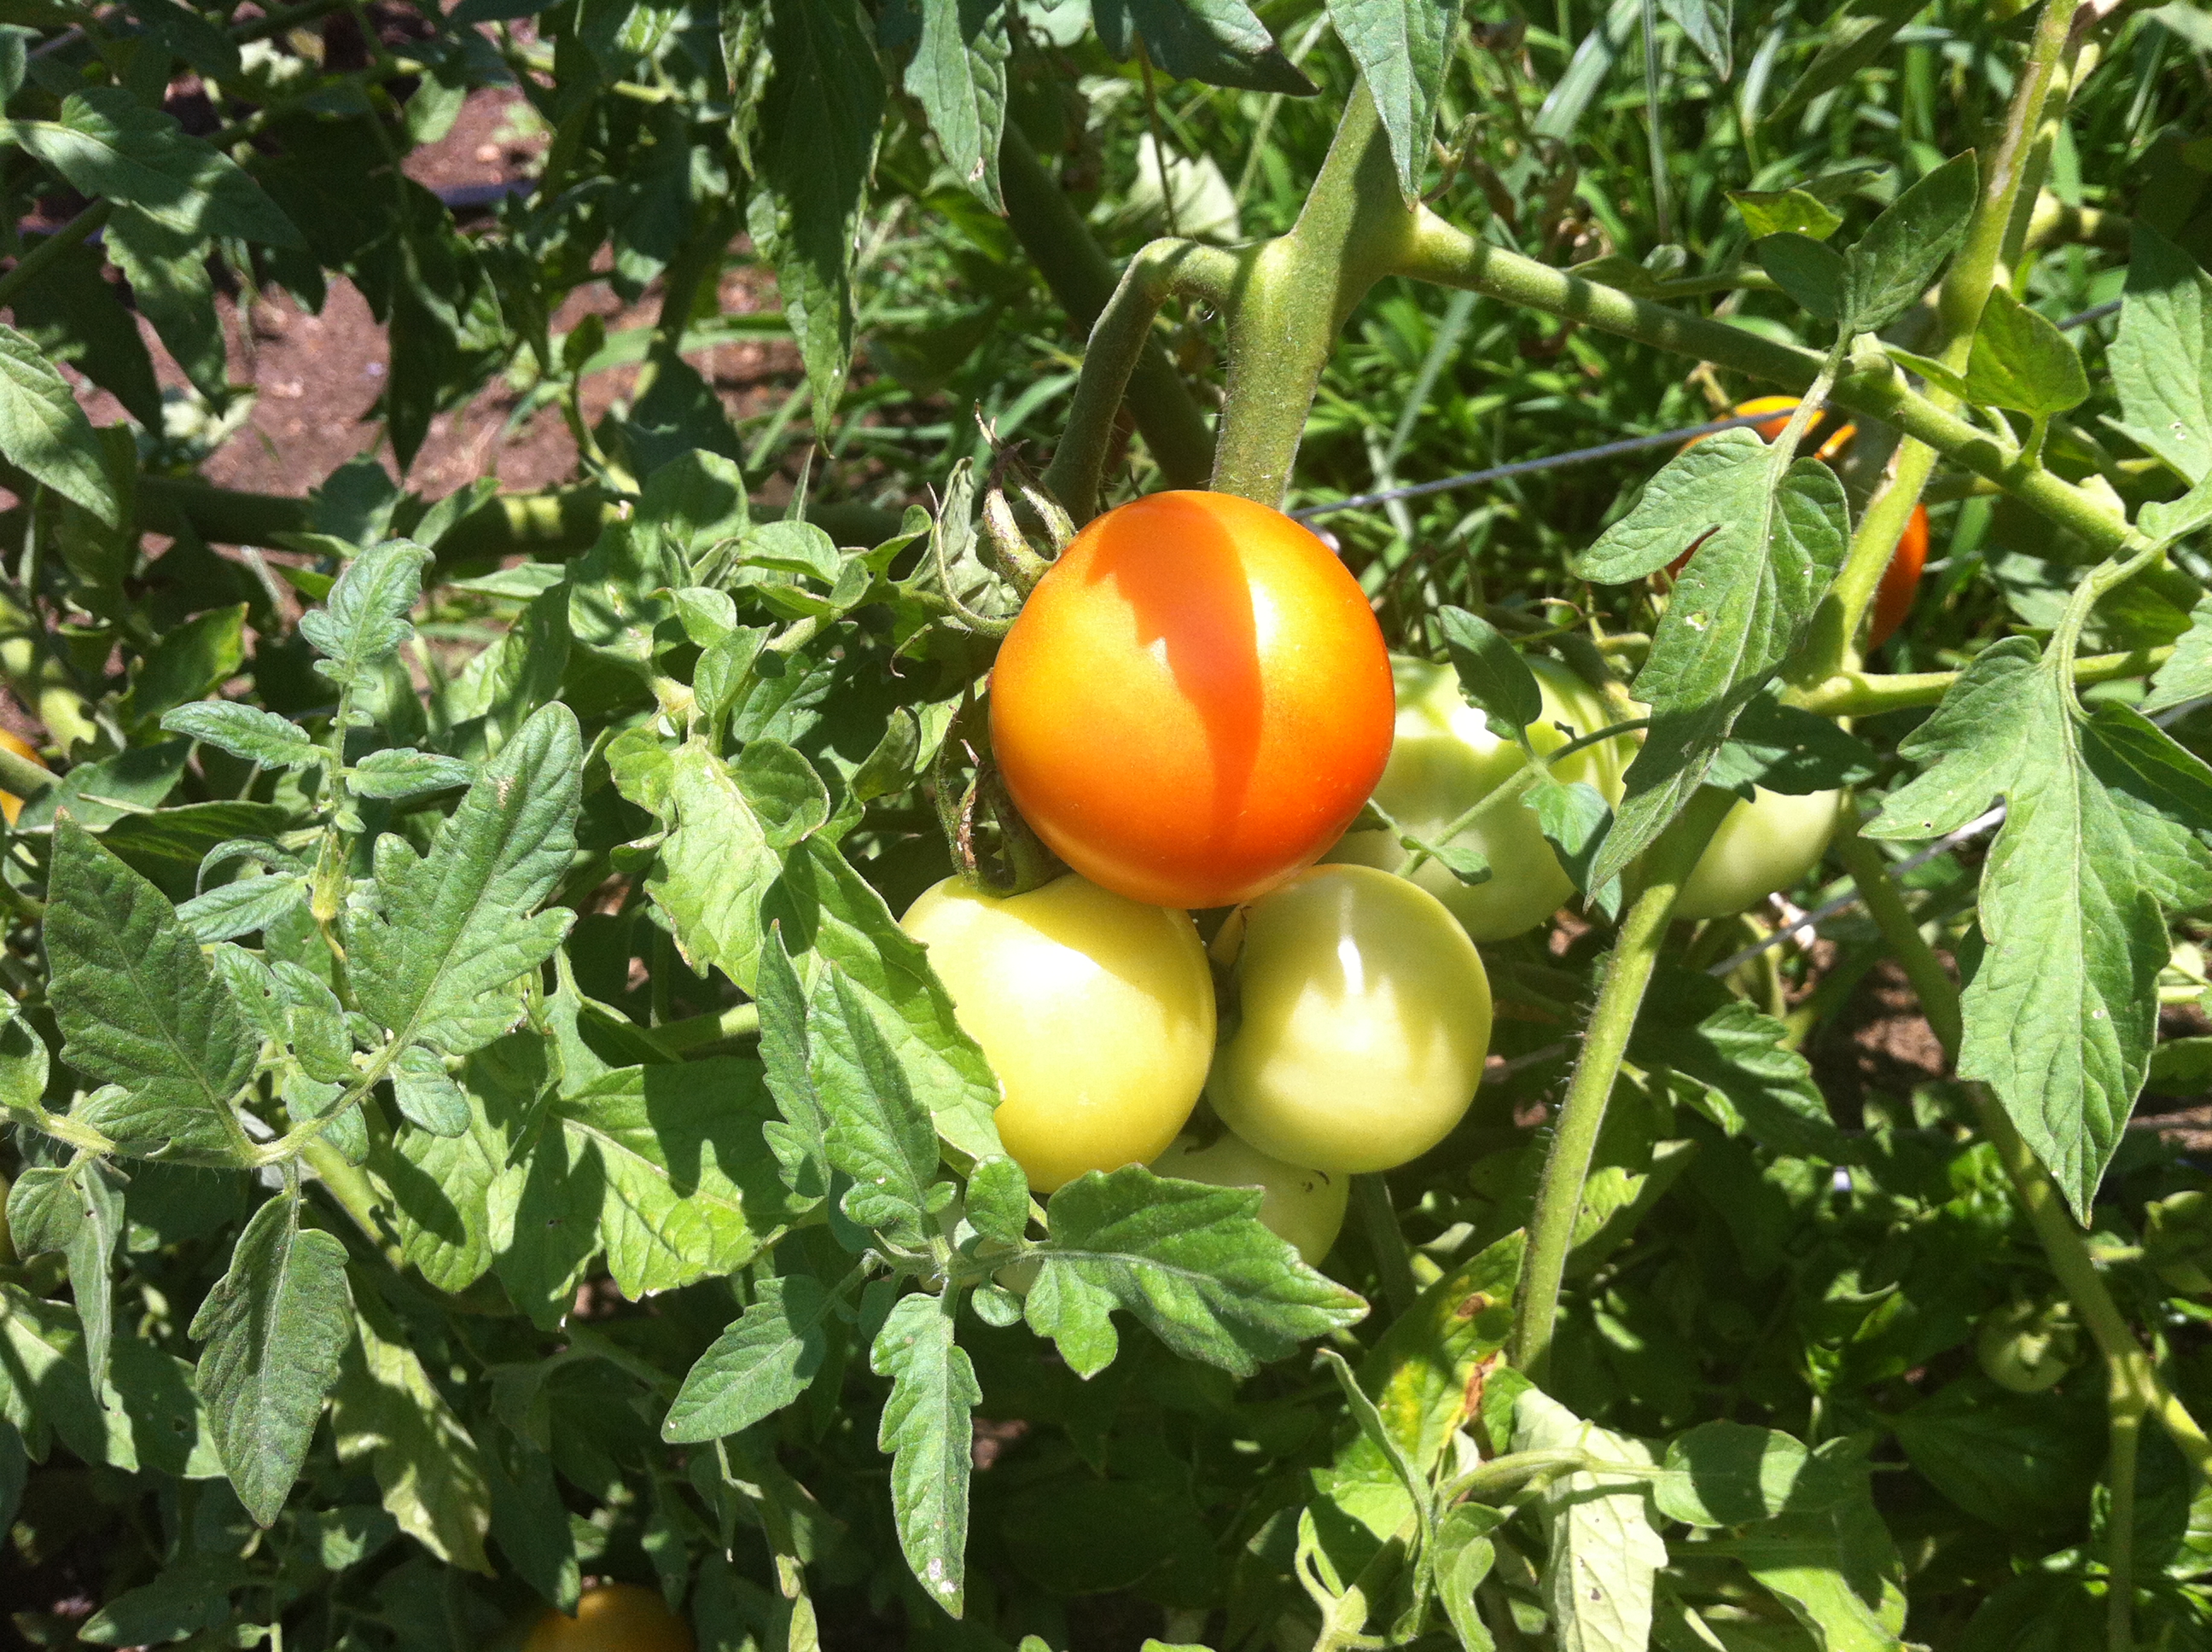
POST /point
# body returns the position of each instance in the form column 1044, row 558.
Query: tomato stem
column 1387, row 1240
column 1666, row 865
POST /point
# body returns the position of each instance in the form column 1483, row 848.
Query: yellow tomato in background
column 1096, row 1012
column 1763, row 844
column 1305, row 1207
column 10, row 804
column 1365, row 1022
column 1445, row 758
column 613, row 1618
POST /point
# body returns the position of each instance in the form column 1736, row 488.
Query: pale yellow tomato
column 1096, row 1012
column 1445, row 758
column 613, row 1618
column 1305, row 1207
column 1767, row 844
column 10, row 804
column 1365, row 1021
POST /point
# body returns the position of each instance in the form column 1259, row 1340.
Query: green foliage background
column 477, row 1125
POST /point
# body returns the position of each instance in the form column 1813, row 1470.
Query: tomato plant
column 1305, row 1207
column 1227, row 690
column 736, row 728
column 1445, row 759
column 1364, row 1016
column 1095, row 1012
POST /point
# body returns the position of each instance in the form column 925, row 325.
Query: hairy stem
column 1865, row 693
column 29, row 266
column 700, row 1032
column 1667, row 864
column 1295, row 294
column 1119, row 345
column 1371, row 1193
column 2123, row 1430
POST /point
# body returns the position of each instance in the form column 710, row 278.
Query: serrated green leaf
column 91, row 1257
column 786, row 1060
column 1700, row 1029
column 2061, row 1014
column 1403, row 48
column 1785, row 211
column 764, row 1361
column 1219, row 42
column 109, row 144
column 928, row 1428
column 140, row 1009
column 45, row 433
column 2021, row 361
column 1813, row 274
column 230, row 910
column 273, row 1329
column 403, row 772
column 1464, row 1557
column 442, row 933
column 958, row 72
column 1192, row 1262
column 1837, row 1571
column 1573, row 818
column 786, row 795
column 875, row 1130
column 2162, row 358
column 818, row 123
column 363, row 623
column 1725, row 1474
column 997, row 1203
column 193, row 1594
column 1764, row 557
column 1894, row 262
column 660, row 1167
column 244, row 731
column 2167, row 520
column 1604, row 1553
column 2188, row 674
column 428, row 1471
column 170, row 286
column 426, row 1094
column 454, row 1197
column 1494, row 678
column 1784, row 748
column 46, row 1390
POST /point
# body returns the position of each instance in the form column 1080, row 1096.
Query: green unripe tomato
column 2177, row 1241
column 1305, row 1207
column 2027, row 1346
column 1366, row 1018
column 1763, row 844
column 1444, row 759
column 1095, row 1012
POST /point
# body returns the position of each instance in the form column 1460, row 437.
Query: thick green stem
column 43, row 684
column 1960, row 300
column 2124, row 1429
column 1298, row 291
column 1119, row 345
column 1448, row 256
column 1867, row 694
column 699, row 1032
column 1667, row 864
column 1387, row 1240
column 1053, row 232
column 2132, row 1380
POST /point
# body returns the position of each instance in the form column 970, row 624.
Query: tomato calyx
column 989, row 841
column 1005, row 532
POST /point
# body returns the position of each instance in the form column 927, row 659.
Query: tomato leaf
column 443, row 932
column 1813, row 275
column 1493, row 676
column 245, row 732
column 1604, row 1553
column 140, row 1009
column 273, row 1327
column 453, row 1196
column 2161, row 357
column 1403, row 48
column 762, row 1363
column 819, row 125
column 363, row 623
column 1191, row 1261
column 1892, row 265
column 1574, row 818
column 2021, row 361
column 787, row 1058
column 959, row 74
column 428, row 1471
column 2099, row 841
column 928, row 1429
column 1785, row 211
column 1724, row 1474
column 1219, row 42
column 875, row 1130
column 1767, row 547
column 2188, row 674
column 44, row 431
column 660, row 1168
column 1695, row 1025
column 1786, row 750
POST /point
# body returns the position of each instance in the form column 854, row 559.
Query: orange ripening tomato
column 1901, row 578
column 1195, row 702
column 10, row 804
column 613, row 1618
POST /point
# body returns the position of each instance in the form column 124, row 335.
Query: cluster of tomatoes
column 1190, row 711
